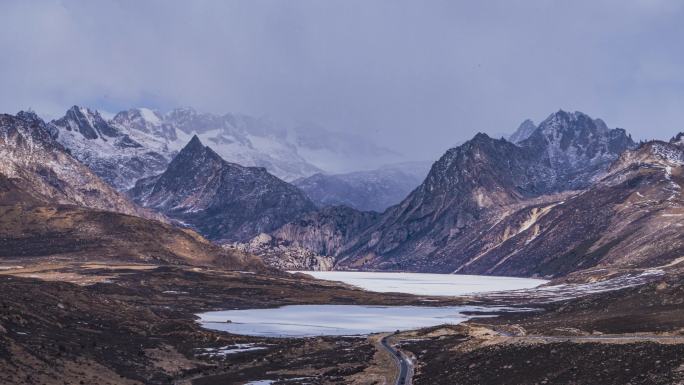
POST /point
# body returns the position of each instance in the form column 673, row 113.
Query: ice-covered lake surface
column 335, row 320
column 427, row 284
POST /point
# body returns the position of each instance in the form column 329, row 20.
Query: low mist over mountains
column 139, row 142
column 373, row 190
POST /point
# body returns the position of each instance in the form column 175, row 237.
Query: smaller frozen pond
column 426, row 284
column 334, row 320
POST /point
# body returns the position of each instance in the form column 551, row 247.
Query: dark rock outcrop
column 223, row 201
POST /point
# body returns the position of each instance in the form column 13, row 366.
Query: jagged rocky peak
column 224, row 201
column 576, row 147
column 119, row 151
column 21, row 129
column 326, row 231
column 481, row 163
column 33, row 126
column 88, row 122
column 678, row 139
column 195, row 153
column 523, row 132
column 576, row 133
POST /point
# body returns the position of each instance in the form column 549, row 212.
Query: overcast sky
column 416, row 76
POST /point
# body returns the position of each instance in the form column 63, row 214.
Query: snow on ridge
column 287, row 151
column 149, row 115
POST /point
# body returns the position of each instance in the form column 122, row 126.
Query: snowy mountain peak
column 89, row 123
column 28, row 116
column 480, row 136
column 142, row 115
column 575, row 144
column 120, row 151
column 563, row 122
column 44, row 169
column 180, row 112
column 145, row 120
column 577, row 132
column 150, row 116
column 678, row 139
column 196, row 149
column 523, row 132
column 142, row 133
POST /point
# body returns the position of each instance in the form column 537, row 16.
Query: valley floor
column 97, row 323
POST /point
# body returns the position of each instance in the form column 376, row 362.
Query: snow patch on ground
column 228, row 350
column 561, row 292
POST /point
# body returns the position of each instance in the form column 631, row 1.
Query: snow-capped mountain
column 245, row 140
column 39, row 165
column 576, row 147
column 120, row 151
column 224, row 201
column 140, row 142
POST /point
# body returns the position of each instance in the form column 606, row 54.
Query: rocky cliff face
column 630, row 218
column 282, row 255
column 42, row 167
column 482, row 174
column 327, row 231
column 311, row 242
column 575, row 147
column 223, row 201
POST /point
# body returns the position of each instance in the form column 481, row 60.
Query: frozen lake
column 426, row 284
column 334, row 320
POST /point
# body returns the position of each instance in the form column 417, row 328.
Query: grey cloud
column 417, row 76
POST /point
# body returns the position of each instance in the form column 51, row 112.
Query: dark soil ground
column 136, row 324
column 442, row 362
column 628, row 336
column 89, row 323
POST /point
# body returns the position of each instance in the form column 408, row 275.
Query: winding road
column 405, row 372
